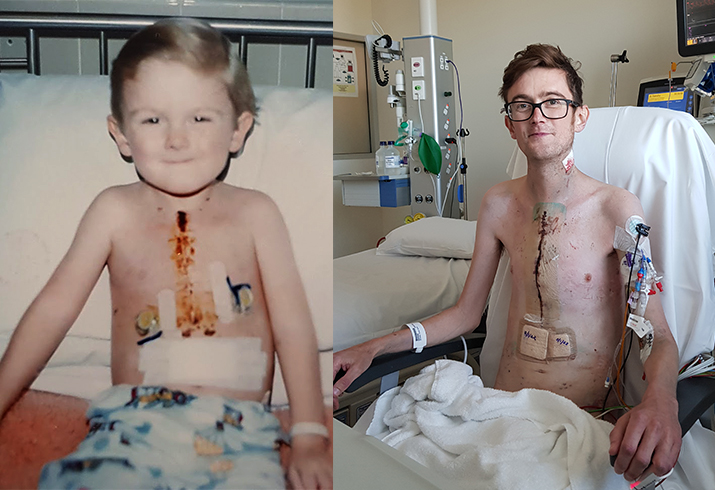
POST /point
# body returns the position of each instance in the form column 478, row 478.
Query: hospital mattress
column 374, row 295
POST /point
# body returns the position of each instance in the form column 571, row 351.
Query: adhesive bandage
column 568, row 161
column 309, row 428
column 419, row 336
column 234, row 363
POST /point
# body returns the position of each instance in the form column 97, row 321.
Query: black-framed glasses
column 551, row 109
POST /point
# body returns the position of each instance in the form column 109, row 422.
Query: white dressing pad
column 534, row 342
column 623, row 241
column 167, row 311
column 234, row 363
column 631, row 224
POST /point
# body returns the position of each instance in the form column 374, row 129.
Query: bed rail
column 33, row 26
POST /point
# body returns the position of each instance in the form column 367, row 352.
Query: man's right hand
column 354, row 361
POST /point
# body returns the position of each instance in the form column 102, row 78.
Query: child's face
column 179, row 126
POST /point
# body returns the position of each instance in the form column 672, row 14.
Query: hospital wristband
column 419, row 336
column 309, row 428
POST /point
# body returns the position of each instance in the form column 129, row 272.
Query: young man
column 204, row 288
column 567, row 306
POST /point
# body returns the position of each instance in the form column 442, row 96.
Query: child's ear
column 118, row 137
column 244, row 123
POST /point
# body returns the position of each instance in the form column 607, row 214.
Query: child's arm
column 294, row 337
column 54, row 310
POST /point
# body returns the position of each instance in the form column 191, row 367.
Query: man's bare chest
column 567, row 254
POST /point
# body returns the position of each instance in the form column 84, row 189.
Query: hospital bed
column 418, row 270
column 668, row 161
column 55, row 157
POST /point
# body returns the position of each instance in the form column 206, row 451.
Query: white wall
column 359, row 228
column 486, row 35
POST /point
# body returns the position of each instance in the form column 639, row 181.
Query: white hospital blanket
column 484, row 438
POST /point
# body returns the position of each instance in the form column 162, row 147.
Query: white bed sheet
column 375, row 294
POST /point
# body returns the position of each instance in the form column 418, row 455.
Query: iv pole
column 615, row 59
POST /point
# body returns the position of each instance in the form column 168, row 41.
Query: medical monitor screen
column 696, row 27
column 674, row 95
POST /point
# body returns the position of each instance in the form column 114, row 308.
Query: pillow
column 53, row 138
column 432, row 237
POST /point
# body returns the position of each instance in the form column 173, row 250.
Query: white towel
column 484, row 438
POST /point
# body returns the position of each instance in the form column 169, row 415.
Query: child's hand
column 311, row 466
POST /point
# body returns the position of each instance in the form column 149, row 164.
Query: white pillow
column 432, row 237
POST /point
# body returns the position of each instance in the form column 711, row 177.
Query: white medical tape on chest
column 419, row 336
column 234, row 363
column 167, row 311
column 223, row 301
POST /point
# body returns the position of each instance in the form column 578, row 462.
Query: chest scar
column 195, row 311
column 539, row 340
column 185, row 308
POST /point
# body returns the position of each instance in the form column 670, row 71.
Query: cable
column 446, row 193
column 378, row 28
column 459, row 94
column 622, row 362
column 702, row 365
column 464, row 343
column 461, row 132
column 422, row 123
column 434, row 191
column 620, row 366
column 380, row 81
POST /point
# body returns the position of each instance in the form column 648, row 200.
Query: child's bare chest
column 198, row 268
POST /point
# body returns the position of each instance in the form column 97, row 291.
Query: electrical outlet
column 417, row 64
column 418, row 90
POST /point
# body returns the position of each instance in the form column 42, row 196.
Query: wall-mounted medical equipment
column 427, row 130
column 423, row 97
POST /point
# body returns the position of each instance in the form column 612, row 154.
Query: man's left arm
column 648, row 436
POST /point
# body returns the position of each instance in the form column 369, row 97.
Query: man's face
column 543, row 139
column 179, row 126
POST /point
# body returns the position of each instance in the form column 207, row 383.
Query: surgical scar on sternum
column 547, row 226
column 194, row 310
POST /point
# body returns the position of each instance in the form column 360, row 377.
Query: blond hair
column 191, row 42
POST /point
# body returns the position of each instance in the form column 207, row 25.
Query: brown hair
column 191, row 42
column 542, row 56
